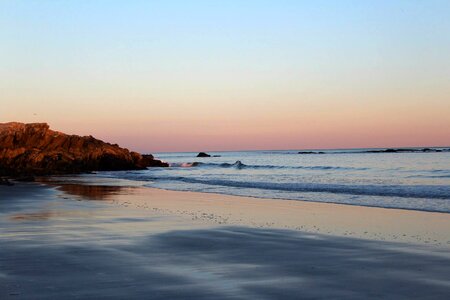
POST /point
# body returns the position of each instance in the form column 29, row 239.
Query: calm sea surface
column 416, row 180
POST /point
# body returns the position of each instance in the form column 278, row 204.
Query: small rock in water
column 203, row 154
column 310, row 152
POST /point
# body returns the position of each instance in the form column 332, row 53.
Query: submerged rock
column 35, row 149
column 203, row 154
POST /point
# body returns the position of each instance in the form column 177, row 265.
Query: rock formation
column 34, row 149
column 203, row 154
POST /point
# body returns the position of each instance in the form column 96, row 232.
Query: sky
column 168, row 75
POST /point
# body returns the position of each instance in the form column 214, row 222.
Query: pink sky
column 292, row 126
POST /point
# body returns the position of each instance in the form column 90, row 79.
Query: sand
column 332, row 219
column 92, row 242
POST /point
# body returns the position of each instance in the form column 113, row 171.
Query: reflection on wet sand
column 85, row 192
column 92, row 192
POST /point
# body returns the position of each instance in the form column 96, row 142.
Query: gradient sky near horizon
column 230, row 75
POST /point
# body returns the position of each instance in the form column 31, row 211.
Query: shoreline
column 335, row 219
column 307, row 201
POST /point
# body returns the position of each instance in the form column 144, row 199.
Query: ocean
column 417, row 180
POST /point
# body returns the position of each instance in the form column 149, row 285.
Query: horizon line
column 310, row 149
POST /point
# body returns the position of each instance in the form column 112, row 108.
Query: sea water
column 408, row 180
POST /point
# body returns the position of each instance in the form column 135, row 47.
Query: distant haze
column 230, row 75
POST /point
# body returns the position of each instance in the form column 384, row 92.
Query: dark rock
column 203, row 154
column 310, row 152
column 149, row 161
column 34, row 149
column 430, row 150
column 391, row 150
column 412, row 150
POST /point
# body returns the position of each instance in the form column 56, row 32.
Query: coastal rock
column 203, row 154
column 403, row 150
column 35, row 149
column 310, row 152
column 149, row 161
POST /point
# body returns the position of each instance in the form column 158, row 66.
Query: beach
column 225, row 150
column 96, row 240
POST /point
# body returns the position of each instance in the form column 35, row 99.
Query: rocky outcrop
column 203, row 154
column 35, row 149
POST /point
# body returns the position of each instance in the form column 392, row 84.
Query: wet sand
column 332, row 219
column 92, row 242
